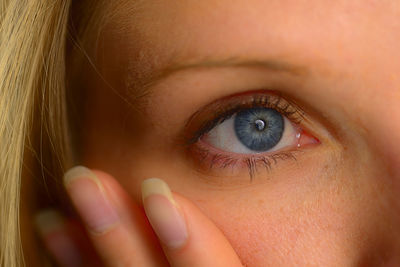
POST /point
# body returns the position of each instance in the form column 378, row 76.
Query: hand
column 120, row 231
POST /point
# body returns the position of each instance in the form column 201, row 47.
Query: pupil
column 260, row 124
column 259, row 129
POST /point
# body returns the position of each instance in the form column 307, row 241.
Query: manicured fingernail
column 52, row 230
column 163, row 214
column 90, row 199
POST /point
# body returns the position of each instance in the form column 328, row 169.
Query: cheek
column 334, row 223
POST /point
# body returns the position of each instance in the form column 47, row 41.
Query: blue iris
column 259, row 129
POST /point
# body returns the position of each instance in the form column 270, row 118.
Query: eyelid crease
column 156, row 74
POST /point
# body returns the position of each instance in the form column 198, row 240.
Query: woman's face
column 187, row 94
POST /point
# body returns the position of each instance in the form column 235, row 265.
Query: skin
column 337, row 204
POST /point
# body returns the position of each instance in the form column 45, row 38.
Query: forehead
column 188, row 28
column 330, row 36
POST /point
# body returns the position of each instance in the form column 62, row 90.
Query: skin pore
column 163, row 61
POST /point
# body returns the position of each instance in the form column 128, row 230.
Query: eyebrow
column 162, row 73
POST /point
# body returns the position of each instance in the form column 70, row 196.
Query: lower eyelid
column 215, row 162
column 219, row 166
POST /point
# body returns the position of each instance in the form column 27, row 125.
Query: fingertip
column 52, row 229
column 91, row 200
column 77, row 172
column 156, row 186
column 164, row 216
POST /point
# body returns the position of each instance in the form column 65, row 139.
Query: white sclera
column 223, row 137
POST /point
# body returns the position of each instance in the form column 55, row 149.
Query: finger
column 188, row 237
column 65, row 242
column 117, row 226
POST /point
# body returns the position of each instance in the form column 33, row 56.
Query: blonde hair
column 32, row 45
column 34, row 131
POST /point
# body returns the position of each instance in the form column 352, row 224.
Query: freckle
column 260, row 202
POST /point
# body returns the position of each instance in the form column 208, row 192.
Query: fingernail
column 52, row 229
column 163, row 214
column 90, row 200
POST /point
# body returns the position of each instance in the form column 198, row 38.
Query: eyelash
column 228, row 107
column 251, row 162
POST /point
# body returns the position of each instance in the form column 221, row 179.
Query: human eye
column 248, row 131
column 253, row 130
